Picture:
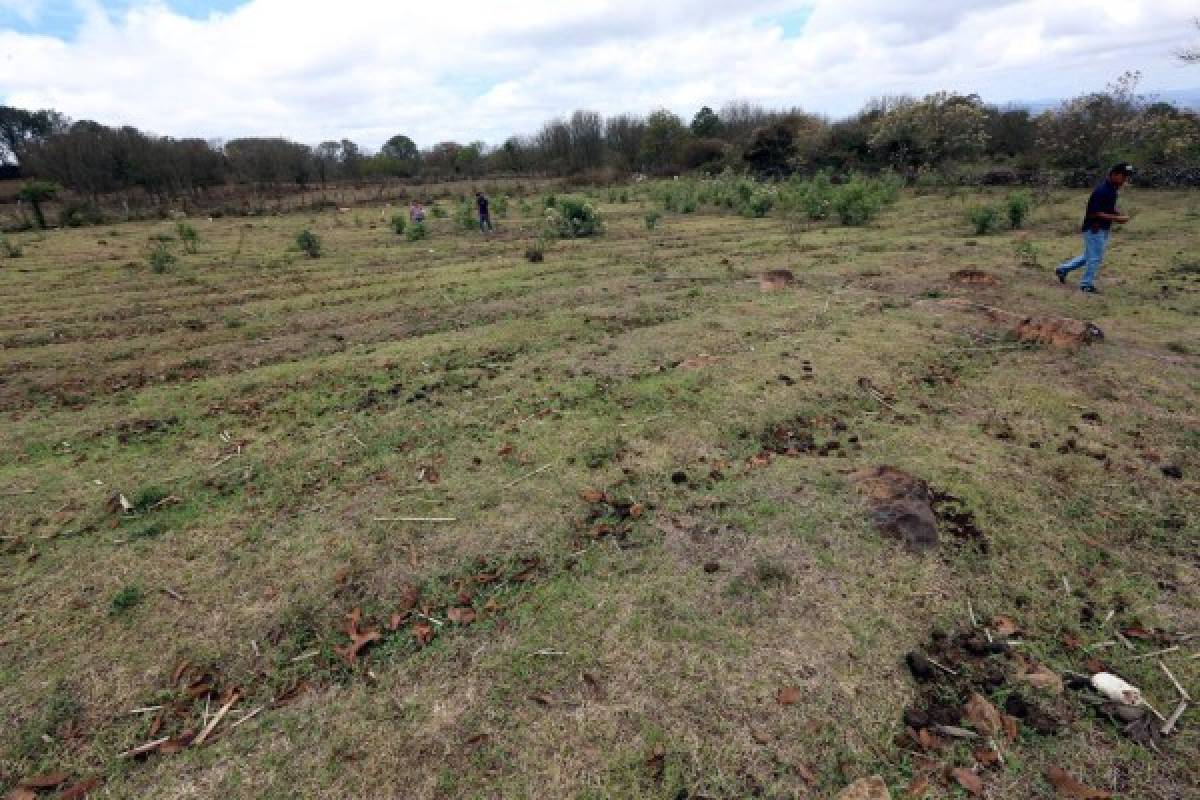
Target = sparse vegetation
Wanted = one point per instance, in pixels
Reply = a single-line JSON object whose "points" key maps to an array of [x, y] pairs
{"points": [[399, 222], [416, 232], [572, 217], [985, 218], [309, 243], [1017, 206], [642, 455], [160, 257], [188, 235]]}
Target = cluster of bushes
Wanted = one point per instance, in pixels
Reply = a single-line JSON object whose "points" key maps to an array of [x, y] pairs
{"points": [[988, 218], [571, 218], [855, 201]]}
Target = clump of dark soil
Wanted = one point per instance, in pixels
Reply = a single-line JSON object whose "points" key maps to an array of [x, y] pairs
{"points": [[957, 520]]}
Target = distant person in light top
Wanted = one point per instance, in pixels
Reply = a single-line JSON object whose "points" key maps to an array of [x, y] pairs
{"points": [[416, 212], [485, 216], [1097, 223]]}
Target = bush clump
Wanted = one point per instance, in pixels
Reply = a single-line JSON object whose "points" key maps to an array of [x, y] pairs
{"points": [[416, 232], [1017, 206], [860, 199], [536, 251], [398, 223], [309, 243], [651, 219], [571, 218], [188, 235], [984, 219], [10, 249], [160, 258]]}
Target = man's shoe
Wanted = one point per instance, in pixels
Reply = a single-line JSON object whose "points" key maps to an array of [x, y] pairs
{"points": [[1089, 289], [1062, 276]]}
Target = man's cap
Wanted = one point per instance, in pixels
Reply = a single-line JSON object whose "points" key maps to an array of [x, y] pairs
{"points": [[1122, 169]]}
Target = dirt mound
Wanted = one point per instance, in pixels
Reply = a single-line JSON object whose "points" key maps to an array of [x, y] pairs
{"points": [[1054, 331], [776, 279], [901, 505], [975, 277]]}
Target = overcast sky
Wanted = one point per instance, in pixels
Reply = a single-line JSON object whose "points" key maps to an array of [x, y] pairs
{"points": [[482, 69]]}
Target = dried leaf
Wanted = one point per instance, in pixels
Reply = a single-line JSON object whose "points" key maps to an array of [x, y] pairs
{"points": [[358, 639], [592, 496], [1005, 626], [484, 578], [1011, 728], [968, 780], [49, 780], [465, 598], [341, 576], [918, 788], [396, 621], [505, 450], [928, 741], [1067, 786], [986, 756], [637, 510], [462, 615], [1040, 677], [1138, 633], [80, 790], [409, 597], [178, 673], [180, 742], [593, 685], [983, 716], [788, 695], [423, 633], [1071, 641], [156, 724]]}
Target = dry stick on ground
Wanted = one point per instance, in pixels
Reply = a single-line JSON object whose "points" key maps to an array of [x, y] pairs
{"points": [[1156, 653], [1169, 726], [248, 717], [1178, 686], [415, 519], [510, 484], [216, 720], [144, 748], [947, 670]]}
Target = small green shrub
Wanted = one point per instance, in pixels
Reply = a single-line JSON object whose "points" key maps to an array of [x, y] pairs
{"points": [[309, 243], [80, 213], [573, 217], [464, 217], [500, 205], [160, 258], [1017, 206], [984, 219], [10, 249], [651, 219], [188, 235], [416, 232], [399, 222], [758, 205], [526, 209], [126, 599], [550, 201], [437, 212], [536, 251], [1026, 253], [855, 203]]}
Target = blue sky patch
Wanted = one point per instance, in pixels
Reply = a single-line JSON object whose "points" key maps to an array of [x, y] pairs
{"points": [[61, 18], [791, 22]]}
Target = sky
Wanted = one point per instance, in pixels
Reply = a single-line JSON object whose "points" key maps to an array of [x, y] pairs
{"points": [[484, 69]]}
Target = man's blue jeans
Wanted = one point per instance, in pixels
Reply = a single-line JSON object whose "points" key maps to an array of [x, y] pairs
{"points": [[1094, 245]]}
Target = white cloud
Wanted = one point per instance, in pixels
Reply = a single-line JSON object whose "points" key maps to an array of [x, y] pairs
{"points": [[481, 69]]}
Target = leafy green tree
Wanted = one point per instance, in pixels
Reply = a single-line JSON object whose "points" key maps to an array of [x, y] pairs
{"points": [[401, 148], [938, 129], [663, 141], [35, 193], [706, 123], [771, 149], [20, 128]]}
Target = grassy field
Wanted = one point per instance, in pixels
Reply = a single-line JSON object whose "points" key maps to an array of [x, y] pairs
{"points": [[623, 592]]}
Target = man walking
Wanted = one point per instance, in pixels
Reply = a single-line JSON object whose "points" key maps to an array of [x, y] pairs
{"points": [[1097, 223], [485, 216]]}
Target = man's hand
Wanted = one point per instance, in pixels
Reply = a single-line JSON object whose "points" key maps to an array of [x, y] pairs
{"points": [[1121, 218]]}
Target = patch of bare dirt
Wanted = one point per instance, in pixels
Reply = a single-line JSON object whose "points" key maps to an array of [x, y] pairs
{"points": [[776, 279], [974, 277]]}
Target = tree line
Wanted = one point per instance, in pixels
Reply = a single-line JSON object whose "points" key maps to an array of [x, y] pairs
{"points": [[908, 134]]}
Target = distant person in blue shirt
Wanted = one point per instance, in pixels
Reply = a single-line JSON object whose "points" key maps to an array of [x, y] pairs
{"points": [[485, 216], [1097, 223]]}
